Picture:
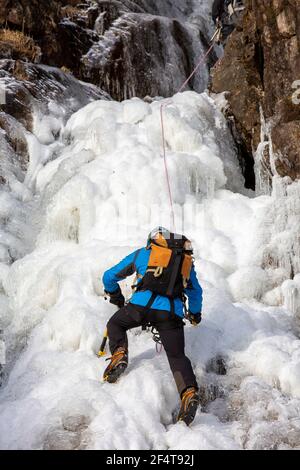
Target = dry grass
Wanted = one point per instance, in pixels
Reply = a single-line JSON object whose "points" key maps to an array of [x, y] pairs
{"points": [[20, 44], [16, 38], [65, 69], [70, 12]]}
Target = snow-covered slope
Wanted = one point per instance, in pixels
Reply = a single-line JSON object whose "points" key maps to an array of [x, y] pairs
{"points": [[95, 202]]}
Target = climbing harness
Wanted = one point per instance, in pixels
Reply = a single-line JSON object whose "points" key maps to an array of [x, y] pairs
{"points": [[157, 340], [184, 301]]}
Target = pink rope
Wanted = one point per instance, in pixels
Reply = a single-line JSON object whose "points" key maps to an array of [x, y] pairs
{"points": [[162, 107], [159, 350], [173, 229], [201, 61]]}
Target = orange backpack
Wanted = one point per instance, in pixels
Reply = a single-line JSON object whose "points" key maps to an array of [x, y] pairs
{"points": [[169, 266]]}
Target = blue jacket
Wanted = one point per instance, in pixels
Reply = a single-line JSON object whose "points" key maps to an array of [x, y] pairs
{"points": [[137, 262]]}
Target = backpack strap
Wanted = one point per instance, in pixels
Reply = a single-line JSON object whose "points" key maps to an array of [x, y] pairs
{"points": [[138, 276], [172, 308], [151, 300], [177, 262]]}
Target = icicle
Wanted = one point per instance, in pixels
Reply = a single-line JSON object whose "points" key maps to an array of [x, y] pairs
{"points": [[291, 294], [263, 173], [210, 187], [2, 355]]}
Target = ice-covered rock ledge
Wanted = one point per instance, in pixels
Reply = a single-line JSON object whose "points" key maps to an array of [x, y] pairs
{"points": [[96, 200]]}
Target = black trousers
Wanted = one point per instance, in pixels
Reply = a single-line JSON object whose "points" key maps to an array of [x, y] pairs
{"points": [[170, 328]]}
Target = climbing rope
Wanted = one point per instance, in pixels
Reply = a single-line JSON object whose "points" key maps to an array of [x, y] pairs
{"points": [[164, 145], [173, 227]]}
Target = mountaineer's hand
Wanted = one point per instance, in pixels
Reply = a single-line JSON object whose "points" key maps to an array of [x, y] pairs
{"points": [[116, 298], [194, 319]]}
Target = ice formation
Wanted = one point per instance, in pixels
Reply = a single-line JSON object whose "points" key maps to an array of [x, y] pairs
{"points": [[89, 198], [160, 41]]}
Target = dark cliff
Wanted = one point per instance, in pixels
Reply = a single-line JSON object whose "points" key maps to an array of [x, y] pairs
{"points": [[128, 48], [261, 71]]}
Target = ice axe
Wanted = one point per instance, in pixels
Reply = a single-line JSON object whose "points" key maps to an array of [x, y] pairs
{"points": [[102, 352]]}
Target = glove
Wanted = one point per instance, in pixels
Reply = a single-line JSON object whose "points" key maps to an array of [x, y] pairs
{"points": [[194, 319], [116, 298]]}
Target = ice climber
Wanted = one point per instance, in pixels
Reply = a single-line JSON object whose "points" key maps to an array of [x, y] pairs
{"points": [[219, 8], [165, 274], [225, 15]]}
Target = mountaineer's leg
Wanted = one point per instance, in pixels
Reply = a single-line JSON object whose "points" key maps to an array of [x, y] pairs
{"points": [[173, 342], [125, 319]]}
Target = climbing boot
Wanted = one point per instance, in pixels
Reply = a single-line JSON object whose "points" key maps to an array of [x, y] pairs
{"points": [[189, 403], [118, 365]]}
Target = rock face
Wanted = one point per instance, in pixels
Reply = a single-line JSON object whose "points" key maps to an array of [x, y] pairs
{"points": [[61, 29], [127, 47], [260, 71], [31, 91], [140, 52]]}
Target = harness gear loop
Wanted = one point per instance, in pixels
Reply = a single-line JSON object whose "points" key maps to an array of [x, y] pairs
{"points": [[184, 301], [157, 339]]}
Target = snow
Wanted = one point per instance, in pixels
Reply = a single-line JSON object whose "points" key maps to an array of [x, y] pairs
{"points": [[91, 197]]}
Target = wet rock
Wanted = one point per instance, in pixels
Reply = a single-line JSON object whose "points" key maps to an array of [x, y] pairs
{"points": [[213, 386], [75, 423], [259, 70], [286, 139], [15, 134], [217, 365], [209, 392], [145, 48], [126, 47], [47, 24], [59, 439], [141, 56], [77, 40], [11, 163], [31, 89]]}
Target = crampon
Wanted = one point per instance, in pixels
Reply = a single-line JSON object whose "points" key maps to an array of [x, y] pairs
{"points": [[189, 404], [118, 365]]}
